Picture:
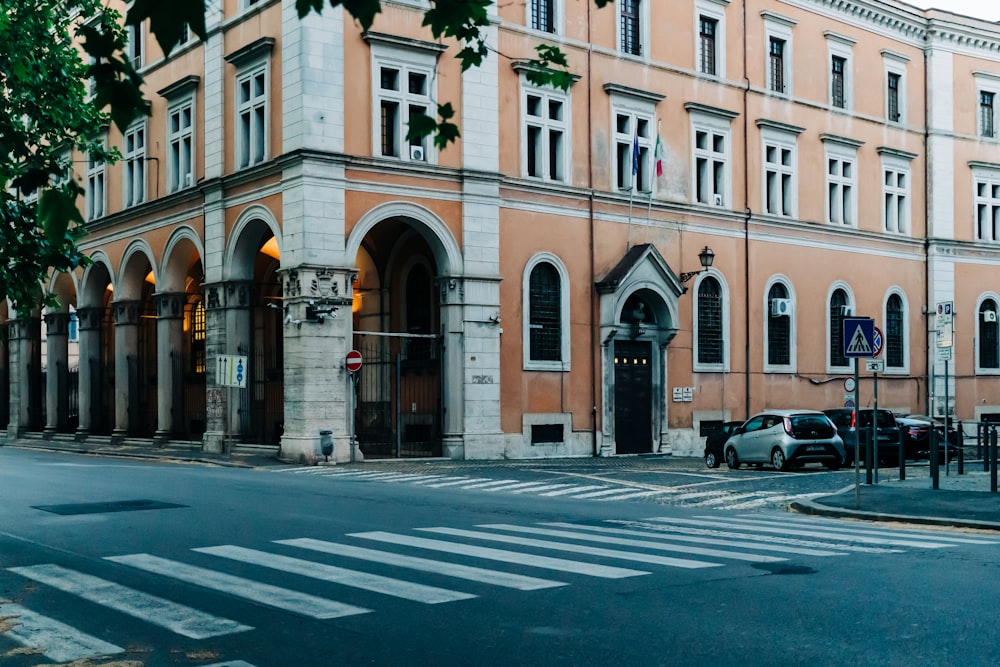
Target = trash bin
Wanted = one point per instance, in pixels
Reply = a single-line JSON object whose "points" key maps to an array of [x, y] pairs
{"points": [[326, 443]]}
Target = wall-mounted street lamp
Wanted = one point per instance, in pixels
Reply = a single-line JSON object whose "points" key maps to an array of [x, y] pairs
{"points": [[706, 257]]}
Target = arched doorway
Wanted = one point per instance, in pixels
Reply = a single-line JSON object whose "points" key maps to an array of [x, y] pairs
{"points": [[96, 351], [136, 386], [396, 323], [633, 360]]}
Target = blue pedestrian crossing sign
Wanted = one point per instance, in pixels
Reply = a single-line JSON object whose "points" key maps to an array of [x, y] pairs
{"points": [[859, 338]]}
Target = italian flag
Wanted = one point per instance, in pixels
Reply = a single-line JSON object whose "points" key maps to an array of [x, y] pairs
{"points": [[658, 154]]}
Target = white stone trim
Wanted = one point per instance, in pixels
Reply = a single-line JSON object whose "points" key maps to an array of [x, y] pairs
{"points": [[987, 82], [779, 27], [248, 71], [725, 305], [895, 63], [851, 304], [897, 165], [254, 212], [845, 153], [995, 297], [406, 60], [644, 32], [895, 290], [558, 17], [184, 233], [714, 124], [985, 178], [839, 45], [715, 10], [447, 253], [530, 364], [792, 366], [564, 171], [176, 180], [781, 140], [123, 288], [637, 110]]}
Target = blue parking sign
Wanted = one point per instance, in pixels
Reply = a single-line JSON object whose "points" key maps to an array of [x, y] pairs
{"points": [[859, 338]]}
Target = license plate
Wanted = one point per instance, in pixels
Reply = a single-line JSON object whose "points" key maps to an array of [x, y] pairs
{"points": [[885, 438], [815, 448]]}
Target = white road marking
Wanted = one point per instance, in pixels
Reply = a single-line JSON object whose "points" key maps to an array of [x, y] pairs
{"points": [[265, 594], [727, 498], [158, 611], [338, 575], [547, 487], [629, 495], [839, 526], [642, 544], [760, 502], [598, 494], [458, 480], [547, 562], [573, 489], [701, 540], [697, 494], [486, 485], [788, 530], [482, 575], [523, 486], [57, 641], [423, 479], [575, 548]]}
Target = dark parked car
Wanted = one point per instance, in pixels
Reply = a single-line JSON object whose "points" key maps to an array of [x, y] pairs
{"points": [[887, 431], [786, 439], [715, 443], [916, 431]]}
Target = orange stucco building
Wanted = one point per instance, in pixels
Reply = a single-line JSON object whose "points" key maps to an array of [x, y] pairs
{"points": [[534, 289]]}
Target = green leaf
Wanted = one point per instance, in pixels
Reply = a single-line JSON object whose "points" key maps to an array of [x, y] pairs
{"points": [[56, 210], [167, 19]]}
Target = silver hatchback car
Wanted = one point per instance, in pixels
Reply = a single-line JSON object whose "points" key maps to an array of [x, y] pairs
{"points": [[786, 438]]}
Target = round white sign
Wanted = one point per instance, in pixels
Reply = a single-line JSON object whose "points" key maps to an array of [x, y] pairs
{"points": [[849, 384]]}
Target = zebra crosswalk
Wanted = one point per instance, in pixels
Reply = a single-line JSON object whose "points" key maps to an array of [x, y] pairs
{"points": [[470, 559], [689, 495]]}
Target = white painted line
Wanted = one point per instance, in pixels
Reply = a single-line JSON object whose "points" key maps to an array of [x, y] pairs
{"points": [[701, 540], [767, 539], [265, 594], [486, 485], [697, 494], [423, 479], [57, 641], [482, 575], [760, 502], [573, 489], [839, 526], [629, 496], [575, 548], [739, 524], [338, 575], [728, 498], [642, 544], [547, 487], [404, 478], [598, 494], [455, 481], [523, 486], [530, 560], [158, 611]]}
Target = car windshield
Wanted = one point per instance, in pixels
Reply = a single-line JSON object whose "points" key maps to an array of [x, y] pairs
{"points": [[809, 421], [884, 420]]}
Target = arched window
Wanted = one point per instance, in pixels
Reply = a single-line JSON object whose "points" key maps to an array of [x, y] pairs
{"points": [[710, 349], [989, 335], [779, 327], [838, 311], [198, 336], [895, 350], [544, 313]]}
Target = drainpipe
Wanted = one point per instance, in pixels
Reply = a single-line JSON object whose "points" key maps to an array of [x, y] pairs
{"points": [[747, 214], [929, 389], [595, 352]]}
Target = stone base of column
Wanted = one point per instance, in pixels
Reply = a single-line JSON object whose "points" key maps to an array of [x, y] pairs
{"points": [[453, 447], [48, 433], [161, 438], [665, 447], [81, 434], [118, 436], [213, 442], [484, 446]]}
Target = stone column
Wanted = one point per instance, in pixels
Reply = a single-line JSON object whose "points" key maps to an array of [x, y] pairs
{"points": [[89, 322], [169, 346], [57, 373], [126, 351], [25, 335], [227, 328]]}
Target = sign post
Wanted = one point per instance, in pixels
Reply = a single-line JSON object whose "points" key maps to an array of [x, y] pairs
{"points": [[353, 362], [944, 325], [859, 343]]}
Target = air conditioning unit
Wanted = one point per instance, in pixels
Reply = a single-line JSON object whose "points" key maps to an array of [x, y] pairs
{"points": [[717, 200], [417, 153], [781, 307], [187, 180], [989, 316]]}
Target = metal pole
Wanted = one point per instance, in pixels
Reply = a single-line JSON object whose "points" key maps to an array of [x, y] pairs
{"points": [[947, 420], [874, 430], [961, 450], [935, 472], [399, 406], [993, 460], [857, 447]]}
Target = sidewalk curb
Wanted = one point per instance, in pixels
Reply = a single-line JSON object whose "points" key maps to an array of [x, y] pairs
{"points": [[818, 509]]}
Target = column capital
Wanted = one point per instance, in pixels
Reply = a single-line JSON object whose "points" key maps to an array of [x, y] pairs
{"points": [[332, 285], [170, 305], [24, 329], [127, 312], [56, 324], [90, 318], [228, 294]]}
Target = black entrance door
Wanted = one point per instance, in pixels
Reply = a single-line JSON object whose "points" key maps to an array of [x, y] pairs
{"points": [[633, 397]]}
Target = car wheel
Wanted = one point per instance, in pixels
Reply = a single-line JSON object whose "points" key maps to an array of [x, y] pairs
{"points": [[711, 460], [732, 460], [778, 459]]}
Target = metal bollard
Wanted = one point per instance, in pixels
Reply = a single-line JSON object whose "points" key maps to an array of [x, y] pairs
{"points": [[935, 466], [993, 460], [902, 460]]}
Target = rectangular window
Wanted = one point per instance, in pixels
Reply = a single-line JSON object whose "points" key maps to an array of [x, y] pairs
{"points": [[896, 200], [96, 171], [545, 135], [134, 166], [779, 179], [988, 209], [542, 15], [837, 90], [180, 146], [133, 50], [840, 183], [776, 61], [711, 157], [986, 124], [632, 171], [631, 27], [706, 40], [404, 94], [892, 93], [251, 114]]}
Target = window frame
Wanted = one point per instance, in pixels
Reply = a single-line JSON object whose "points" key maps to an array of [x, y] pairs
{"points": [[792, 365], [837, 286], [557, 9], [96, 170], [778, 27], [528, 363], [987, 83], [134, 178], [839, 46], [547, 126], [843, 150], [894, 64], [724, 324], [904, 369], [642, 20], [135, 47], [987, 175], [248, 72], [781, 137], [715, 122], [980, 303], [176, 180], [897, 162], [714, 10]]}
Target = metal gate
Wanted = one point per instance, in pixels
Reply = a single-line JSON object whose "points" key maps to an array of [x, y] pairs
{"points": [[262, 403], [398, 409]]}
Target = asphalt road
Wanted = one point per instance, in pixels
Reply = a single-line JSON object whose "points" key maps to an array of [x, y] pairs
{"points": [[265, 568]]}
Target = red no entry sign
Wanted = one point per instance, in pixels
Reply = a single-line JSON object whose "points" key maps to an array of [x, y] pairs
{"points": [[354, 361]]}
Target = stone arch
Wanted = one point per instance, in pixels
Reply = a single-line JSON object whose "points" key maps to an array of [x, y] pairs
{"points": [[95, 281], [447, 253], [176, 263], [249, 233], [133, 271]]}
